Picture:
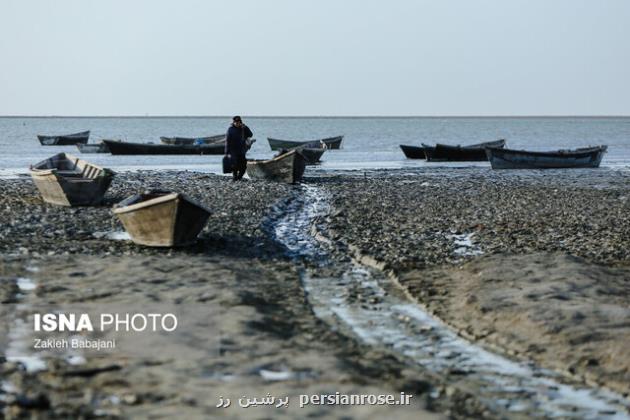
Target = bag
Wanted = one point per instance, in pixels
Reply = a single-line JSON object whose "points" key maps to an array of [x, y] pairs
{"points": [[227, 164]]}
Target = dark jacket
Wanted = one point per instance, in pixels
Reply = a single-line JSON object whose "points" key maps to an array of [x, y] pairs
{"points": [[235, 144]]}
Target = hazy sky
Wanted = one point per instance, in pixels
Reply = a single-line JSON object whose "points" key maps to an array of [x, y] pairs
{"points": [[314, 57]]}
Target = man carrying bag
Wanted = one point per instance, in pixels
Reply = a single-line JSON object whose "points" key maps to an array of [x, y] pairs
{"points": [[237, 144]]}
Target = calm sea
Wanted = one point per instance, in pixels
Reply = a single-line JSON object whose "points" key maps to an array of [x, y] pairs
{"points": [[368, 142]]}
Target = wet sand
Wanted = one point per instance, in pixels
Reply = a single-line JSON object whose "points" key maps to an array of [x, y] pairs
{"points": [[258, 337], [446, 235], [563, 312]]}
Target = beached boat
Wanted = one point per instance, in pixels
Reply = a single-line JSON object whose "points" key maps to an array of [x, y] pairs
{"points": [[162, 219], [286, 167], [471, 153], [66, 180], [312, 156], [312, 152], [413, 152], [193, 140], [587, 157], [65, 139], [331, 143], [93, 148], [128, 148]]}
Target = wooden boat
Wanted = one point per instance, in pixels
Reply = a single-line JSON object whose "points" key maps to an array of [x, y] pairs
{"points": [[286, 167], [587, 157], [277, 144], [191, 140], [66, 180], [161, 218], [127, 148], [472, 153], [413, 152], [312, 156], [93, 148], [65, 139], [312, 152], [429, 151]]}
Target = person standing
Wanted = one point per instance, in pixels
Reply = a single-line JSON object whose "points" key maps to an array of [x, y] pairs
{"points": [[237, 142]]}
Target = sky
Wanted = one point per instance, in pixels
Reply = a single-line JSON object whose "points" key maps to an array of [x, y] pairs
{"points": [[315, 57]]}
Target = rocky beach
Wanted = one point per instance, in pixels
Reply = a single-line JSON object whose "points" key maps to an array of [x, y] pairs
{"points": [[529, 265], [534, 264]]}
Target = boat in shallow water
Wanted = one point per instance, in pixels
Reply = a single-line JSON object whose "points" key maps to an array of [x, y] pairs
{"points": [[162, 218], [312, 152], [64, 139], [93, 148], [193, 140], [312, 156], [471, 153], [66, 180], [286, 167], [128, 148], [117, 147], [413, 152], [330, 142], [586, 157]]}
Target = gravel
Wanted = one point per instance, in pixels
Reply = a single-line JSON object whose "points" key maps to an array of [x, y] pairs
{"points": [[35, 228], [423, 218]]}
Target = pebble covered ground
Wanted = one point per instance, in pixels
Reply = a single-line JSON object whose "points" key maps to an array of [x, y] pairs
{"points": [[34, 228], [531, 263], [407, 220], [431, 217]]}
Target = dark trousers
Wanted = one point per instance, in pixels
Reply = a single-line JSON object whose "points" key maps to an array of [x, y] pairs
{"points": [[239, 166]]}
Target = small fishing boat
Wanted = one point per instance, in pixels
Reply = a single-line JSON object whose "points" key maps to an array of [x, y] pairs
{"points": [[93, 148], [471, 153], [128, 148], [65, 139], [312, 152], [277, 144], [286, 167], [413, 152], [162, 218], [66, 180], [311, 155], [586, 157], [193, 140]]}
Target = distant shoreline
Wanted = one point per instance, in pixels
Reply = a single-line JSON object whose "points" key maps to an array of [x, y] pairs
{"points": [[324, 116]]}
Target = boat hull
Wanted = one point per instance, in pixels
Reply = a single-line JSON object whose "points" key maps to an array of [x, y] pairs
{"points": [[73, 182], [413, 152], [65, 140], [312, 156], [520, 159], [93, 148], [190, 140], [472, 153], [127, 148], [288, 167], [167, 220], [331, 143]]}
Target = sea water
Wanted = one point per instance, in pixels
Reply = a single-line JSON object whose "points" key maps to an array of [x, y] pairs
{"points": [[369, 142]]}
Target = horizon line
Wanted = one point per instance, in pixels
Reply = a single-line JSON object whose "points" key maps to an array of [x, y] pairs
{"points": [[326, 116]]}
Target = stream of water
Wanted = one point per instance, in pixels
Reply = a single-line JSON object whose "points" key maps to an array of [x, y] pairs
{"points": [[364, 302]]}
